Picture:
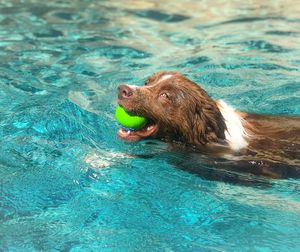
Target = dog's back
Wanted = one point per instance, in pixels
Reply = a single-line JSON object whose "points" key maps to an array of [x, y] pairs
{"points": [[274, 138]]}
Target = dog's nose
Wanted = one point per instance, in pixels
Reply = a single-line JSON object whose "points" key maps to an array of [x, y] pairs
{"points": [[124, 91]]}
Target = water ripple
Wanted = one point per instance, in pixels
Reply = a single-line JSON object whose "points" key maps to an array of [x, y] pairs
{"points": [[160, 16]]}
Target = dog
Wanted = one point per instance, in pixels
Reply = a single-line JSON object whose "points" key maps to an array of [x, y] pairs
{"points": [[181, 111]]}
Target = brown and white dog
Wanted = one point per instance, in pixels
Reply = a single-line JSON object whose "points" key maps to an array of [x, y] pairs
{"points": [[180, 110]]}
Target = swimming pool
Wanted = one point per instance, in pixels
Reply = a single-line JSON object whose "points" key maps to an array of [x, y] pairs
{"points": [[68, 183]]}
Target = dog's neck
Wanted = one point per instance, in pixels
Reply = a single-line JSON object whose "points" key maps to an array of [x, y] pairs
{"points": [[235, 134]]}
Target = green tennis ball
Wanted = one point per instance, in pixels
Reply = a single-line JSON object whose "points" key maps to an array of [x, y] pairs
{"points": [[129, 121]]}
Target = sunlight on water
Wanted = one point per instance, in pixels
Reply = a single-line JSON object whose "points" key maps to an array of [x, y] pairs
{"points": [[68, 183]]}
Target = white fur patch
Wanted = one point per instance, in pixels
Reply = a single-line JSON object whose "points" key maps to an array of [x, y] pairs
{"points": [[165, 77], [235, 134], [132, 86]]}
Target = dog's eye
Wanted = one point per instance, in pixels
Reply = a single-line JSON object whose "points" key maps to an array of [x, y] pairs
{"points": [[165, 95]]}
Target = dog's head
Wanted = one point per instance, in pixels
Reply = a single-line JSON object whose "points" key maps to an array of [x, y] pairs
{"points": [[177, 109]]}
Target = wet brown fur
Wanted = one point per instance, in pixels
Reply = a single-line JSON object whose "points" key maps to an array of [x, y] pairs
{"points": [[190, 116]]}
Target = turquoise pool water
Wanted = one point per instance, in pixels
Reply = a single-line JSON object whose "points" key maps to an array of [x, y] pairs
{"points": [[68, 183]]}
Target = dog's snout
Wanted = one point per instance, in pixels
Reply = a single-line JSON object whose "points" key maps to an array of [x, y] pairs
{"points": [[124, 91]]}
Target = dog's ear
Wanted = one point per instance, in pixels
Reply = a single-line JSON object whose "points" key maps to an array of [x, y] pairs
{"points": [[206, 121], [197, 125], [215, 121]]}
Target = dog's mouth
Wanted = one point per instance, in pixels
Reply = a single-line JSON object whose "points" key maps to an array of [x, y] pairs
{"points": [[134, 135]]}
